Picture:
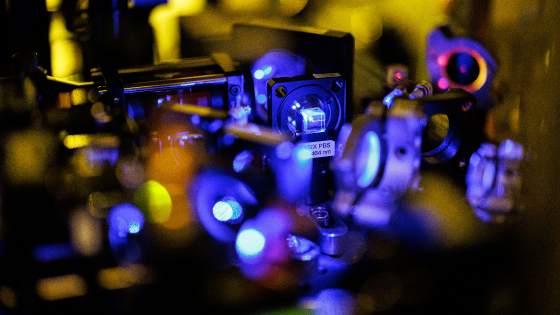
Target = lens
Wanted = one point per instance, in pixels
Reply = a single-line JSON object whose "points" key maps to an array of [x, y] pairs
{"points": [[367, 159], [463, 69], [435, 132], [227, 209], [250, 242]]}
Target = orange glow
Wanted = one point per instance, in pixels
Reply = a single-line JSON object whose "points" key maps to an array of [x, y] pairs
{"points": [[61, 287], [124, 277], [8, 297]]}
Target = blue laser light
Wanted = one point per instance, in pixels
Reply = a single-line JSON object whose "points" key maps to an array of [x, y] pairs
{"points": [[261, 98], [250, 242], [259, 74], [368, 158], [125, 218], [227, 209]]}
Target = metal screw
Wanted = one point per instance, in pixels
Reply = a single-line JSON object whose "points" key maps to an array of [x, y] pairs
{"points": [[234, 90], [336, 86], [321, 216], [281, 91], [116, 100], [466, 107]]}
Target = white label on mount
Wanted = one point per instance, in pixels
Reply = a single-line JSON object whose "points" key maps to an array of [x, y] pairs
{"points": [[321, 148]]}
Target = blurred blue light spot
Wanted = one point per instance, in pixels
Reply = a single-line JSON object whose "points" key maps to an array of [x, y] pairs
{"points": [[284, 150], [250, 242], [195, 119], [160, 101], [267, 70], [303, 155], [125, 218], [222, 211], [259, 74], [509, 145], [335, 301], [241, 160], [261, 98], [388, 100], [227, 209], [134, 227], [367, 161], [52, 252]]}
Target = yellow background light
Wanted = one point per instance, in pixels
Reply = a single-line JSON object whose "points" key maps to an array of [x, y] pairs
{"points": [[61, 287], [154, 200]]}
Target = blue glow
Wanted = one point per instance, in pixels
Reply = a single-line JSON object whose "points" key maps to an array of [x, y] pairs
{"points": [[267, 70], [100, 156], [52, 252], [130, 111], [259, 74], [195, 119], [368, 158], [227, 209], [116, 24], [250, 242], [509, 145], [335, 301], [241, 160], [488, 175], [275, 63], [388, 100], [134, 227], [284, 150], [303, 155], [125, 218], [160, 101], [222, 211]]}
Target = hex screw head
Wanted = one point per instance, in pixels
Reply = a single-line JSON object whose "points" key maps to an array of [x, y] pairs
{"points": [[234, 89], [281, 91], [336, 86], [467, 106], [321, 216]]}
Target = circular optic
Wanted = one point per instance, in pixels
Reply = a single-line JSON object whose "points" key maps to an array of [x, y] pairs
{"points": [[227, 209], [368, 159], [250, 243], [435, 132], [462, 68], [222, 211]]}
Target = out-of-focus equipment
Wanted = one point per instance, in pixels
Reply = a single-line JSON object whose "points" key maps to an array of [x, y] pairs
{"points": [[377, 160], [459, 62], [494, 182], [243, 179], [288, 52]]}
